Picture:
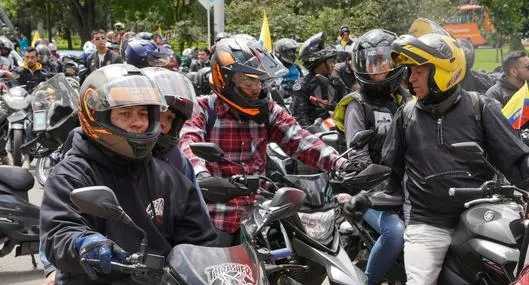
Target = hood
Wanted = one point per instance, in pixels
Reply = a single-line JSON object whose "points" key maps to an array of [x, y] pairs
{"points": [[36, 67], [82, 146]]}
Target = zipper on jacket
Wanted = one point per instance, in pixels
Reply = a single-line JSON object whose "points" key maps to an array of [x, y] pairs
{"points": [[440, 130]]}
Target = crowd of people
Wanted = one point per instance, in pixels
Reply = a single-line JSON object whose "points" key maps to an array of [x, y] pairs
{"points": [[139, 113]]}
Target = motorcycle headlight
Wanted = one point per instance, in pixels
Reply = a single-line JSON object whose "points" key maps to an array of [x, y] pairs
{"points": [[320, 225], [16, 102]]}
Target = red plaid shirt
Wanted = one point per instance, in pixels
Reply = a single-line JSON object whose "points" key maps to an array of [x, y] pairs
{"points": [[244, 141]]}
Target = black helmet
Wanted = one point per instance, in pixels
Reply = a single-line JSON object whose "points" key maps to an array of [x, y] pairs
{"points": [[202, 80], [43, 52], [115, 86], [468, 48], [285, 50], [371, 56], [238, 59], [313, 51], [344, 29], [180, 96]]}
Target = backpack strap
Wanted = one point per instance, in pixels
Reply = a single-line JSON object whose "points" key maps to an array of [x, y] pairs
{"points": [[211, 112], [477, 108]]}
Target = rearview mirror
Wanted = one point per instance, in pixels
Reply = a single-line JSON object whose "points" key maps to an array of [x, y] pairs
{"points": [[219, 190], [286, 202], [207, 151], [99, 201]]}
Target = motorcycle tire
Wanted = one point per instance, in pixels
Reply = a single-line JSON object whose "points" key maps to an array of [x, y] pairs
{"points": [[42, 169], [16, 152]]}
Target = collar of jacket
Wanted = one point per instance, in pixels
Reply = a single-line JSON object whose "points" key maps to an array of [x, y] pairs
{"points": [[504, 83], [36, 67], [439, 109]]}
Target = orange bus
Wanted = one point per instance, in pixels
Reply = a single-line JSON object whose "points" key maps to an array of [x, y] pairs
{"points": [[465, 24]]}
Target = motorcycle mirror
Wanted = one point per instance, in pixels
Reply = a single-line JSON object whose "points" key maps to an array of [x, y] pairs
{"points": [[286, 202], [361, 138], [99, 201], [207, 151], [469, 151], [212, 153]]}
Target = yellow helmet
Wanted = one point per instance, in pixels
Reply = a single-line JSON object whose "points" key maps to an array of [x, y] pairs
{"points": [[441, 51]]}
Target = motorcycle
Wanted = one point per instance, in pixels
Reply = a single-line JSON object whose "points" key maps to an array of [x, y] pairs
{"points": [[308, 237], [54, 105], [490, 241], [186, 263], [19, 219], [17, 100]]}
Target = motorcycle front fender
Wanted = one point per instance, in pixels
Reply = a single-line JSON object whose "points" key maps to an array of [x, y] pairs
{"points": [[340, 269]]}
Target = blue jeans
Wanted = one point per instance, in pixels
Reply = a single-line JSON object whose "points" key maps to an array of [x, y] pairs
{"points": [[388, 246]]}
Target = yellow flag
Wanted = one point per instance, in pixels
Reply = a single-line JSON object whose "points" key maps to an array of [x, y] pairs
{"points": [[36, 37], [265, 39], [515, 110], [159, 31]]}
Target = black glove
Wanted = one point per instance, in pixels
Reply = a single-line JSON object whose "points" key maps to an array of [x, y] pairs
{"points": [[354, 166], [358, 204]]}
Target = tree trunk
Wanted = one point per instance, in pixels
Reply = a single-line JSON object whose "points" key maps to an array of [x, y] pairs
{"points": [[516, 43], [84, 17]]}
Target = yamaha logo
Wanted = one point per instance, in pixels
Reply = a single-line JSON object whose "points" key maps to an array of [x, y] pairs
{"points": [[488, 216]]}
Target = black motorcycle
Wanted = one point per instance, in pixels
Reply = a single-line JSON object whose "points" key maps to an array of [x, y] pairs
{"points": [[19, 219], [190, 264]]}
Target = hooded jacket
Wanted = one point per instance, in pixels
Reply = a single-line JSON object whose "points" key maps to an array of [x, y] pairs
{"points": [[30, 77], [424, 163], [178, 216], [502, 91]]}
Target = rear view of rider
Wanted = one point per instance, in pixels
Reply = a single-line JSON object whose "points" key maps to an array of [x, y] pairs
{"points": [[474, 80], [119, 111], [315, 94], [373, 108]]}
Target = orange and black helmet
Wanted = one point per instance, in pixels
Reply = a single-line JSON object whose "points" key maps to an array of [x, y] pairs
{"points": [[116, 86], [244, 56]]}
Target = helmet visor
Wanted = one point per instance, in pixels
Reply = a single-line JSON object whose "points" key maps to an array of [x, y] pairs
{"points": [[178, 91], [128, 91], [375, 60]]}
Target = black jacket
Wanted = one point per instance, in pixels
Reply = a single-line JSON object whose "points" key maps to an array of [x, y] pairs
{"points": [[30, 77], [110, 58], [422, 157], [502, 91], [307, 112], [135, 185]]}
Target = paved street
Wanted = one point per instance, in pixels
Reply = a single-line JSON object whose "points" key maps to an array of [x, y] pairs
{"points": [[19, 271]]}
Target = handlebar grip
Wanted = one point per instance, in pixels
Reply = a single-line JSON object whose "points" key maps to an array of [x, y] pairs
{"points": [[464, 191]]}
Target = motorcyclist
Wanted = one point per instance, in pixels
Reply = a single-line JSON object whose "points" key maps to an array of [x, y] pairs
{"points": [[143, 53], [201, 61], [30, 72], [344, 41], [49, 65], [316, 94], [344, 72], [286, 51], [418, 149], [515, 73], [5, 63], [103, 55], [373, 108], [474, 80], [241, 119], [119, 111], [202, 81]]}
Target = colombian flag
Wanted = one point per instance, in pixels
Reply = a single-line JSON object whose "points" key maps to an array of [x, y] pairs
{"points": [[517, 109], [265, 39]]}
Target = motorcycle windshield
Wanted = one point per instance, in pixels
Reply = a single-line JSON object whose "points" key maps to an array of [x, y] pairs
{"points": [[216, 265], [55, 98], [313, 185]]}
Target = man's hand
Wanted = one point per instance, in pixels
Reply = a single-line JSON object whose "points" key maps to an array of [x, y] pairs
{"points": [[355, 166], [358, 204], [98, 247]]}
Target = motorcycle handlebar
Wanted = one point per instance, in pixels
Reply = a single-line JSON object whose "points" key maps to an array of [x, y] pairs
{"points": [[464, 191]]}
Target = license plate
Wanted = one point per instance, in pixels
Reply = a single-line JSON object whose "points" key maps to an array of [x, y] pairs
{"points": [[39, 120]]}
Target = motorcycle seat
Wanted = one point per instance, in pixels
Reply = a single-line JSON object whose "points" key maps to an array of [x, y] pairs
{"points": [[16, 178]]}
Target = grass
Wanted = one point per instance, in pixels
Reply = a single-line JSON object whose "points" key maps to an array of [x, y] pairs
{"points": [[485, 58]]}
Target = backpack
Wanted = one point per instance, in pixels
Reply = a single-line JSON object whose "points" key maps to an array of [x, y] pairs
{"points": [[477, 108]]}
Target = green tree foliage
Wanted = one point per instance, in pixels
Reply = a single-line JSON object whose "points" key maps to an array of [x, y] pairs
{"points": [[508, 20]]}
